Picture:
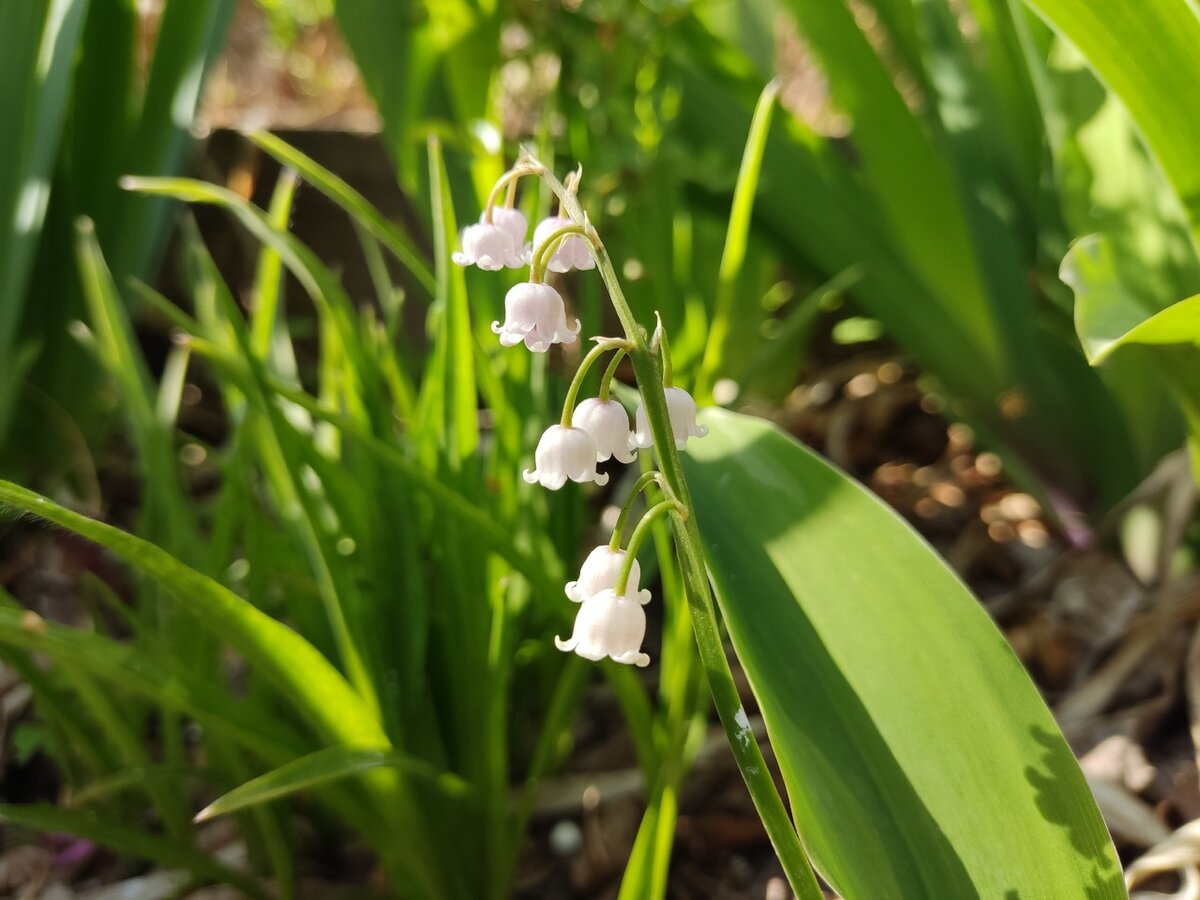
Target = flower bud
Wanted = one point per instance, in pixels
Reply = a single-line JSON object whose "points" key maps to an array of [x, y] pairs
{"points": [[564, 453], [608, 424], [611, 625], [600, 572], [681, 409], [534, 313], [572, 253]]}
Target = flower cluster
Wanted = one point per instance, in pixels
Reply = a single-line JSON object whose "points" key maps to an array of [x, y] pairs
{"points": [[610, 622]]}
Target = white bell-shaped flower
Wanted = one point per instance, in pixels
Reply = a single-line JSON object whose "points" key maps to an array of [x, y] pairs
{"points": [[608, 624], [490, 246], [513, 221], [564, 453], [572, 252], [608, 424], [600, 572], [534, 313], [681, 409]]}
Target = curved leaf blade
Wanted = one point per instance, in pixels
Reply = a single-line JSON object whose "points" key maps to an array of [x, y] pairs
{"points": [[296, 666], [919, 759], [320, 768], [1146, 53], [136, 842], [1108, 316]]}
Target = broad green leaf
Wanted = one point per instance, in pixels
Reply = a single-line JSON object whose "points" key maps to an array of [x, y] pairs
{"points": [[1108, 315], [135, 842], [910, 181], [1146, 53], [919, 759], [320, 768]]}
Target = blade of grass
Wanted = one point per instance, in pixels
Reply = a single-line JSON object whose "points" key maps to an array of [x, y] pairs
{"points": [[736, 237], [321, 767], [37, 50], [317, 689], [355, 204], [327, 700], [135, 842]]}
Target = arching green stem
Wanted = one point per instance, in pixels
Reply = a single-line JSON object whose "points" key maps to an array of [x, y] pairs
{"points": [[657, 511], [644, 481], [577, 382], [511, 177], [609, 374], [747, 754]]}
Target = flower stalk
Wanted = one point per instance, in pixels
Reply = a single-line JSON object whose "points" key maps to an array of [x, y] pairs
{"points": [[644, 481], [636, 539], [649, 373], [577, 382]]}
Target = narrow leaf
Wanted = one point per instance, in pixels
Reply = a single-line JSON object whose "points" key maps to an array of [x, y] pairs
{"points": [[320, 768], [135, 842]]}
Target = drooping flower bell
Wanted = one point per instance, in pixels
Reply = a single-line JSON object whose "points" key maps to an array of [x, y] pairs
{"points": [[492, 245], [608, 424], [600, 572], [564, 453], [534, 313], [681, 409], [513, 221], [608, 624], [572, 252]]}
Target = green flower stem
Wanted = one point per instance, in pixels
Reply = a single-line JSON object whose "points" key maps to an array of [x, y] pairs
{"points": [[510, 177], [544, 251], [577, 382], [644, 480], [609, 374], [657, 511], [747, 754]]}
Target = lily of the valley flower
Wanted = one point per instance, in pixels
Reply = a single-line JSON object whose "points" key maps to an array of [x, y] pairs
{"points": [[513, 221], [600, 572], [681, 409], [608, 424], [534, 313], [572, 252], [608, 624], [564, 453], [491, 245]]}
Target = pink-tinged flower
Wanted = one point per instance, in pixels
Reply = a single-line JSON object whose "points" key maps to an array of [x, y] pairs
{"points": [[681, 409], [513, 221], [600, 572], [564, 453], [490, 246], [572, 253], [534, 313], [608, 424], [611, 625]]}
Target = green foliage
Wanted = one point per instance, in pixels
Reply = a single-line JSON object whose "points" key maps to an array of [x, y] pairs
{"points": [[849, 645], [369, 551], [84, 109]]}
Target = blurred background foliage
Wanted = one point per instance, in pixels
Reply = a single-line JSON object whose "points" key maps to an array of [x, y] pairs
{"points": [[926, 174]]}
